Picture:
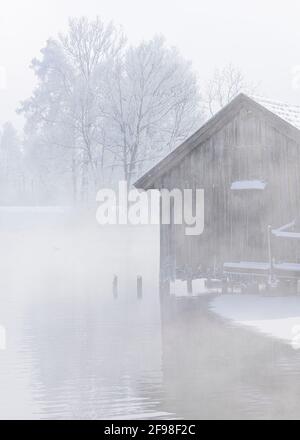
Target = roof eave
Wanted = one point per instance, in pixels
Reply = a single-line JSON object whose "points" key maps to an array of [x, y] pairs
{"points": [[147, 181]]}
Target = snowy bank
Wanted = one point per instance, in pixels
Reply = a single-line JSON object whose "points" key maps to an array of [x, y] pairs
{"points": [[179, 288], [278, 317]]}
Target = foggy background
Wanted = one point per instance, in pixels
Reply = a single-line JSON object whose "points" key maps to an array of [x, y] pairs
{"points": [[70, 125], [262, 38]]}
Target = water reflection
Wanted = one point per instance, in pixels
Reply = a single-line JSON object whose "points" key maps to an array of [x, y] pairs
{"points": [[82, 360], [73, 352], [95, 361], [225, 371]]}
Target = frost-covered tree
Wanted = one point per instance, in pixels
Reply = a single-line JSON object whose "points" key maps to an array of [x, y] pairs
{"points": [[151, 105], [64, 110], [103, 110]]}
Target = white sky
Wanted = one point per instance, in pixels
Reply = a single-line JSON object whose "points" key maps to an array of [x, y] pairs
{"points": [[262, 37]]}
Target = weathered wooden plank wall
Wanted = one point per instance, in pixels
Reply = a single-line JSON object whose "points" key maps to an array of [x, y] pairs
{"points": [[247, 148]]}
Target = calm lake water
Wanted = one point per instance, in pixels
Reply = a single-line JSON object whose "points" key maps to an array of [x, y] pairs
{"points": [[73, 352]]}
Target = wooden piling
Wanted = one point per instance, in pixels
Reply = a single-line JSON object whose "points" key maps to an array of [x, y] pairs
{"points": [[190, 286], [115, 287], [140, 287], [224, 286]]}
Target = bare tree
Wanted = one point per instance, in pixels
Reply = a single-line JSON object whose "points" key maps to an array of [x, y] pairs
{"points": [[225, 85]]}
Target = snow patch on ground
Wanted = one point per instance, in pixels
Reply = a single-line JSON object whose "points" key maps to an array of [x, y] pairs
{"points": [[179, 288], [278, 317]]}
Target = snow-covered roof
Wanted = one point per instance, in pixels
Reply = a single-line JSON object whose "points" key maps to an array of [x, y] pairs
{"points": [[290, 113], [248, 265], [285, 232], [260, 266], [248, 185], [293, 267]]}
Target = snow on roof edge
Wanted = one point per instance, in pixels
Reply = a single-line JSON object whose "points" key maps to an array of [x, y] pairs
{"points": [[287, 112]]}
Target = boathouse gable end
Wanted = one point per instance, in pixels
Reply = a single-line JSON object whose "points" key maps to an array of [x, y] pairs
{"points": [[242, 111], [247, 160]]}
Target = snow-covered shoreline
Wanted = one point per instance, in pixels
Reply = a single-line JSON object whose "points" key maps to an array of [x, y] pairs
{"points": [[278, 317]]}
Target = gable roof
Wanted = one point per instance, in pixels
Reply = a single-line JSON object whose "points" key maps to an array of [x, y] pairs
{"points": [[284, 117]]}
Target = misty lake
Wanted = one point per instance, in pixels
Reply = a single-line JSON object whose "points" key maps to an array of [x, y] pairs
{"points": [[74, 352]]}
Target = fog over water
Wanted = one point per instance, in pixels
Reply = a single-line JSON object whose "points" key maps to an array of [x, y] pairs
{"points": [[72, 351], [75, 352]]}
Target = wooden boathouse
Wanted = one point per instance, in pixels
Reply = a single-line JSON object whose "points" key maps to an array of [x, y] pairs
{"points": [[247, 160]]}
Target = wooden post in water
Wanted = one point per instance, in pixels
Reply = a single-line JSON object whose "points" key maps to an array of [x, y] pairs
{"points": [[189, 280], [140, 287], [115, 287], [190, 285], [224, 286]]}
